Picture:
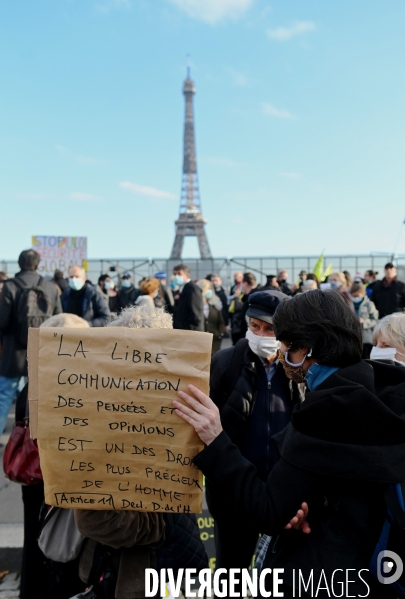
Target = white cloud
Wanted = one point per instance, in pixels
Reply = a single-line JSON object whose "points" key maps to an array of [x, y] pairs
{"points": [[77, 158], [212, 11], [238, 78], [286, 33], [291, 175], [227, 162], [271, 110], [145, 190]]}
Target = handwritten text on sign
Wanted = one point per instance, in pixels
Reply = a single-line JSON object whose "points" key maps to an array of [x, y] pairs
{"points": [[107, 433]]}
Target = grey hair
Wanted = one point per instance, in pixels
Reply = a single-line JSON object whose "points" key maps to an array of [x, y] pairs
{"points": [[393, 329], [143, 316], [69, 321]]}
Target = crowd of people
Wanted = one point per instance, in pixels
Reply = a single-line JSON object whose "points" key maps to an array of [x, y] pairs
{"points": [[303, 432]]}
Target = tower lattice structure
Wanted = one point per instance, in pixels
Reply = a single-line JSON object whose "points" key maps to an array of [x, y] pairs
{"points": [[190, 222]]}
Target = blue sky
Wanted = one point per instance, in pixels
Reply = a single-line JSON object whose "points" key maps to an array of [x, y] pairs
{"points": [[299, 124]]}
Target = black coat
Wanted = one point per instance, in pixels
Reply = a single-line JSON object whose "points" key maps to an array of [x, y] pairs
{"points": [[127, 296], [236, 404], [94, 308], [388, 299], [220, 291], [345, 444], [13, 362], [189, 314]]}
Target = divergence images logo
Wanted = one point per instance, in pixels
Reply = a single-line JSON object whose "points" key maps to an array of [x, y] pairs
{"points": [[389, 567]]}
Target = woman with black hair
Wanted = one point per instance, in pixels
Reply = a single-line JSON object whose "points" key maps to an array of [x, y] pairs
{"points": [[344, 445]]}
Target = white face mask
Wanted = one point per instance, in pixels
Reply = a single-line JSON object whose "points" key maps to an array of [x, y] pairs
{"points": [[262, 346], [385, 353]]}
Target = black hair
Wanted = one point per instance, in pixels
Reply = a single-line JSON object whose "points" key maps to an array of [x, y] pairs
{"points": [[103, 278], [182, 267], [249, 278], [323, 322], [372, 273], [389, 265], [29, 260]]}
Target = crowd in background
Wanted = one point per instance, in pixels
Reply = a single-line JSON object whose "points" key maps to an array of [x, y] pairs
{"points": [[245, 313]]}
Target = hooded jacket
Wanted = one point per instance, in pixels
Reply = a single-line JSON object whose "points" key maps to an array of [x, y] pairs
{"points": [[345, 444]]}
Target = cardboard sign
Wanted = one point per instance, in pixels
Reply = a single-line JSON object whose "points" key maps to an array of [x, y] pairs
{"points": [[107, 433], [60, 253]]}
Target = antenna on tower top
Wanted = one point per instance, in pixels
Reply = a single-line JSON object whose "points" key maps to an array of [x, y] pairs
{"points": [[188, 65]]}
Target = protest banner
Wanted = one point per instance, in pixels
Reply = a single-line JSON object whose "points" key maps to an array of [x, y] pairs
{"points": [[101, 409], [60, 253]]}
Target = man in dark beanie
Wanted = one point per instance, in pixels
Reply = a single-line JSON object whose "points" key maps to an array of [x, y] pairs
{"points": [[255, 399]]}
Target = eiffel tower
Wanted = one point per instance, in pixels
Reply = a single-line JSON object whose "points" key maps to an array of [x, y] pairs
{"points": [[190, 222]]}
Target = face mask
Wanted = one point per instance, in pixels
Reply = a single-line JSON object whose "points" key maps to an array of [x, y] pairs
{"points": [[75, 283], [208, 294], [262, 346], [295, 372], [385, 353], [126, 283], [178, 280], [107, 285], [173, 284], [356, 300], [335, 284]]}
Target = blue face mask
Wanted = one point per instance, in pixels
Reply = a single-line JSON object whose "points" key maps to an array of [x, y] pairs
{"points": [[75, 283], [335, 284], [208, 294], [178, 280], [107, 285], [126, 283], [356, 300]]}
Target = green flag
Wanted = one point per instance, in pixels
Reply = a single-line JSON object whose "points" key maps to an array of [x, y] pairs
{"points": [[318, 268]]}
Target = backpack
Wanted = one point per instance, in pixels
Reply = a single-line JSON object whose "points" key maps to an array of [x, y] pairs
{"points": [[32, 308], [390, 548]]}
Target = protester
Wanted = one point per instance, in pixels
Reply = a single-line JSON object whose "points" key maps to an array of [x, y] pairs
{"points": [[271, 284], [84, 300], [255, 399], [237, 281], [370, 277], [282, 282], [221, 293], [367, 313], [60, 281], [106, 287], [344, 445], [389, 294], [337, 281], [348, 278], [239, 306], [3, 277], [308, 285], [214, 321], [188, 313], [389, 339], [164, 298], [39, 579], [127, 295], [149, 288], [312, 277], [27, 300], [130, 535]]}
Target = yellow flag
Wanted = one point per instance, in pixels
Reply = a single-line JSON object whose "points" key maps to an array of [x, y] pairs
{"points": [[318, 268], [328, 271]]}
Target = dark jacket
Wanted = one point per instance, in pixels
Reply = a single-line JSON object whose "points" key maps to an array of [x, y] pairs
{"points": [[388, 299], [215, 324], [13, 361], [220, 291], [189, 314], [94, 307], [164, 298], [127, 296], [345, 444], [137, 534], [237, 404]]}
